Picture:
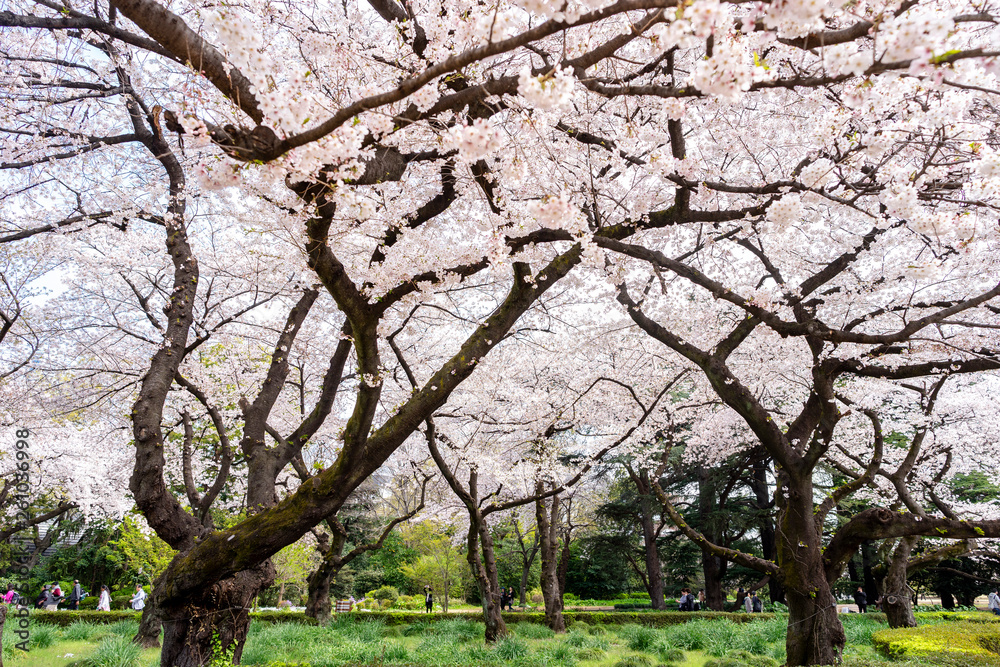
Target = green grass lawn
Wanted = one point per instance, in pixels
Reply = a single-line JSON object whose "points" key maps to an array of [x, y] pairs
{"points": [[460, 643]]}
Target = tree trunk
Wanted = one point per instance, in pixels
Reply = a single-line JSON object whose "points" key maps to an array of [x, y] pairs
{"points": [[713, 567], [872, 585], [775, 587], [547, 515], [947, 599], [525, 573], [487, 580], [220, 613], [149, 626], [896, 592], [318, 602], [654, 571], [815, 634]]}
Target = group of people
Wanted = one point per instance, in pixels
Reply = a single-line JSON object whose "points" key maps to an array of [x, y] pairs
{"points": [[52, 596], [750, 603]]}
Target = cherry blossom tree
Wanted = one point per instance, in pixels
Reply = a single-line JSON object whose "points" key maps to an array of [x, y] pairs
{"points": [[813, 183]]}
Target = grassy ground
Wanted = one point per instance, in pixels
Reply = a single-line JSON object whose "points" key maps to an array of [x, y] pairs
{"points": [[459, 643]]}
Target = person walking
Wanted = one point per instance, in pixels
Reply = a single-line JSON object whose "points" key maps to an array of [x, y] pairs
{"points": [[994, 600], [756, 604], [701, 600], [861, 600], [138, 600], [428, 598], [686, 603], [10, 597], [75, 595], [104, 602], [748, 603], [510, 598]]}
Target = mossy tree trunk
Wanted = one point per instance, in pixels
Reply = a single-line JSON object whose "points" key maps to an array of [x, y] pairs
{"points": [[148, 635], [215, 621], [897, 600]]}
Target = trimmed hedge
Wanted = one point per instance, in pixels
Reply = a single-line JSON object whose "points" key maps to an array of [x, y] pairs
{"points": [[961, 638], [65, 617], [647, 618]]}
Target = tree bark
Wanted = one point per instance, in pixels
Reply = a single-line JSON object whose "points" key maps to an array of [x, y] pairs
{"points": [[896, 592], [148, 635], [712, 566], [487, 579], [654, 570], [767, 542], [815, 634], [221, 612], [547, 516], [318, 602]]}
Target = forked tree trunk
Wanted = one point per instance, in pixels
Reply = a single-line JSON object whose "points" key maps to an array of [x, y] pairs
{"points": [[896, 592], [149, 626], [815, 634], [220, 614], [712, 566], [547, 517], [487, 580]]}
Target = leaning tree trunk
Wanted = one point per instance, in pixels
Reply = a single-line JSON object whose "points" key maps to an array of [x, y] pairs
{"points": [[549, 580], [148, 635], [218, 615], [815, 634], [896, 592]]}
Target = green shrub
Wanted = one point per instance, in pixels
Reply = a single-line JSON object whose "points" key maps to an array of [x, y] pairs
{"points": [[390, 593], [639, 638], [935, 642], [115, 652], [747, 659], [670, 654], [80, 631], [634, 661], [511, 648], [43, 636], [533, 631], [590, 653]]}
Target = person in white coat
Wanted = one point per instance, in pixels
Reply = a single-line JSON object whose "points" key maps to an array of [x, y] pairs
{"points": [[139, 599], [104, 602], [994, 602]]}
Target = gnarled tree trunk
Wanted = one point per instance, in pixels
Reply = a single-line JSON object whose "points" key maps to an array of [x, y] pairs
{"points": [[815, 634], [318, 601], [897, 595], [218, 616], [148, 635]]}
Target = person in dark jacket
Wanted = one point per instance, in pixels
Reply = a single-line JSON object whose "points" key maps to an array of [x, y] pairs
{"points": [[861, 600], [429, 598], [510, 598], [75, 595], [756, 604]]}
